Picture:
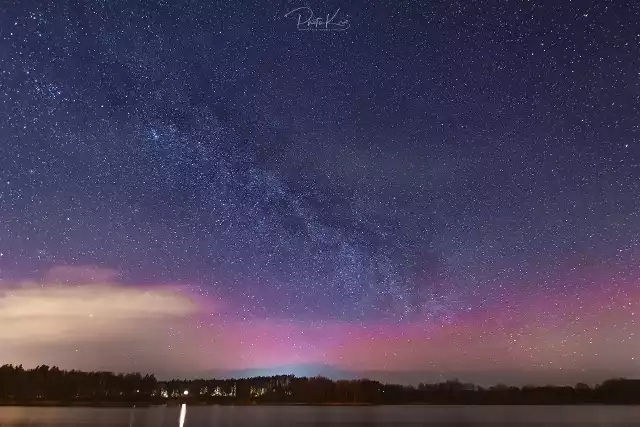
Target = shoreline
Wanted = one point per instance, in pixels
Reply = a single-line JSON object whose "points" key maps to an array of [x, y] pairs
{"points": [[54, 404]]}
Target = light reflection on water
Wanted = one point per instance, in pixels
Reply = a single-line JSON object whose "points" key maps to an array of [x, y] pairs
{"points": [[183, 414]]}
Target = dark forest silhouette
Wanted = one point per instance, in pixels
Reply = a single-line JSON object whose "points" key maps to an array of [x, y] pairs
{"points": [[50, 385]]}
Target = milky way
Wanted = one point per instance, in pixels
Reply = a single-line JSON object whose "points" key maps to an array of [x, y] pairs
{"points": [[440, 188]]}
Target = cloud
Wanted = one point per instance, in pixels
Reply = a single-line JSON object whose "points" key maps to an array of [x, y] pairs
{"points": [[110, 301], [60, 312], [70, 311]]}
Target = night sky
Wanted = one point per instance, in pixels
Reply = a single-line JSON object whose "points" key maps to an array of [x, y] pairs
{"points": [[428, 190]]}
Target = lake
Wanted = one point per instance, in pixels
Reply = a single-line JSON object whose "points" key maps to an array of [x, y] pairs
{"points": [[307, 416]]}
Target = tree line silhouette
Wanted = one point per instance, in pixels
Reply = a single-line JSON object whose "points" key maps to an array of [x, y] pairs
{"points": [[51, 385]]}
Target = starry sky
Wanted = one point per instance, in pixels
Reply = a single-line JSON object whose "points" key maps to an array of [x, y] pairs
{"points": [[422, 190]]}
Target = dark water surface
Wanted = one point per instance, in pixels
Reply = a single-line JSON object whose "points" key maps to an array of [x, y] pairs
{"points": [[232, 416]]}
